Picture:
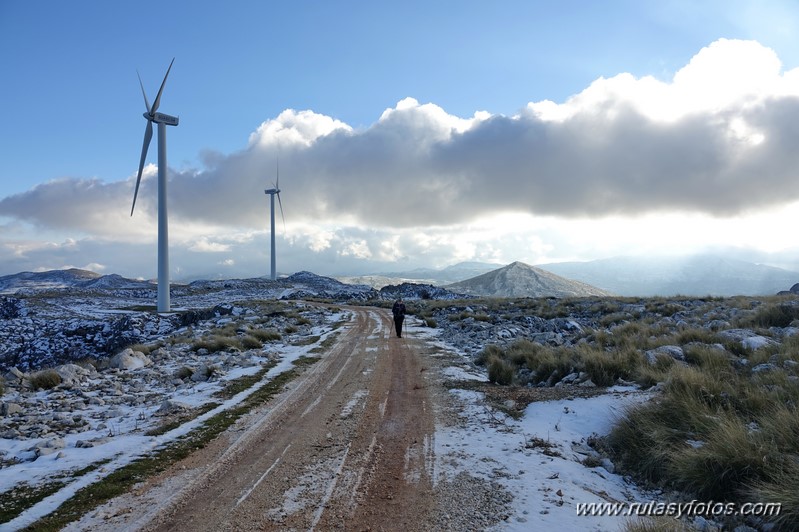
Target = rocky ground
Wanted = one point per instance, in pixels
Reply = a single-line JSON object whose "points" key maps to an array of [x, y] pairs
{"points": [[471, 326], [103, 391]]}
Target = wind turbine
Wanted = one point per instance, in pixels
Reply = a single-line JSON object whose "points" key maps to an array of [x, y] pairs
{"points": [[162, 120], [272, 193]]}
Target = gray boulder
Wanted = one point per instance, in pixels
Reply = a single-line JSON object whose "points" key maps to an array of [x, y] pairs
{"points": [[129, 359], [672, 351]]}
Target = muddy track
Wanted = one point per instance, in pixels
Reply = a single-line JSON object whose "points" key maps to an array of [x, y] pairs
{"points": [[349, 445]]}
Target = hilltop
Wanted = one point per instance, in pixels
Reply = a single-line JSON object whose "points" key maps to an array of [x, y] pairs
{"points": [[522, 280]]}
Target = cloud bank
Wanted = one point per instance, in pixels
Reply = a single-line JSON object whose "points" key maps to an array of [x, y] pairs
{"points": [[718, 139]]}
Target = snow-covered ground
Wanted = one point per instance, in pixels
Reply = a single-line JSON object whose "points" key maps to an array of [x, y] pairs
{"points": [[120, 438], [537, 458]]}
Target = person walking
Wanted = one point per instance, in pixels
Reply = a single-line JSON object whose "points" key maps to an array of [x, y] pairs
{"points": [[399, 315]]}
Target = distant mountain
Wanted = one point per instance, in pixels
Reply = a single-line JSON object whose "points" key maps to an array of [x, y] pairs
{"points": [[522, 280], [450, 274], [698, 275], [71, 278]]}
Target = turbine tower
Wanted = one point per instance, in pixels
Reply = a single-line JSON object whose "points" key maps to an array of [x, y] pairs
{"points": [[162, 120], [272, 193]]}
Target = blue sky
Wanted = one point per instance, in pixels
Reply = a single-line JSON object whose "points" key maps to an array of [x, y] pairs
{"points": [[72, 131]]}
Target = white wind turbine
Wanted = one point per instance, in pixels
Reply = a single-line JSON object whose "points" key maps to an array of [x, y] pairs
{"points": [[272, 193], [162, 120]]}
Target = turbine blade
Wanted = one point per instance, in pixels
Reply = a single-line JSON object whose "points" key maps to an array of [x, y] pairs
{"points": [[157, 101], [277, 163], [281, 211], [146, 102], [148, 135]]}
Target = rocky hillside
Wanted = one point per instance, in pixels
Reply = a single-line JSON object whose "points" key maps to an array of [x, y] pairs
{"points": [[522, 280], [70, 315]]}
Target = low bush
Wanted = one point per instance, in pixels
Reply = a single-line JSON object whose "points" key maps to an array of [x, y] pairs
{"points": [[727, 457], [45, 379], [265, 335], [605, 368], [657, 524], [780, 487], [707, 357], [250, 342], [716, 432], [481, 359], [550, 364], [774, 315], [215, 344], [500, 371]]}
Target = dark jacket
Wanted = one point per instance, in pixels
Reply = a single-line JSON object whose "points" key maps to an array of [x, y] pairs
{"points": [[398, 310]]}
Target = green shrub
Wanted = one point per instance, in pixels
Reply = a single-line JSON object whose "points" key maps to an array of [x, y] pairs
{"points": [[657, 524], [664, 307], [460, 316], [781, 487], [520, 351], [265, 335], [430, 322], [693, 334], [216, 344], [500, 371], [731, 457], [707, 357], [606, 368], [715, 433], [546, 362], [481, 359], [210, 371], [614, 318], [640, 442], [647, 375], [250, 342], [780, 315], [45, 379]]}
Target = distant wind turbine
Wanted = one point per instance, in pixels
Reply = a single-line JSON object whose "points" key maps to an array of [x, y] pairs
{"points": [[162, 120], [272, 193]]}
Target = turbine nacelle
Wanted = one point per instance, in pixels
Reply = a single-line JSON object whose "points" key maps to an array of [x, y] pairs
{"points": [[161, 118]]}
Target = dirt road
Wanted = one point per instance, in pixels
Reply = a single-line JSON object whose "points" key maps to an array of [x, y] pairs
{"points": [[348, 446]]}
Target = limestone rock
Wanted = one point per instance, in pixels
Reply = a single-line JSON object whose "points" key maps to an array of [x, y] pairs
{"points": [[129, 359]]}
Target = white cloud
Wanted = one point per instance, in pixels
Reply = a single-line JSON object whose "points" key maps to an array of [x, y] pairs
{"points": [[94, 266], [203, 245], [292, 127]]}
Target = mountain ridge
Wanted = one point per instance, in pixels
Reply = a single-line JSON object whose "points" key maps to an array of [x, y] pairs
{"points": [[697, 275]]}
